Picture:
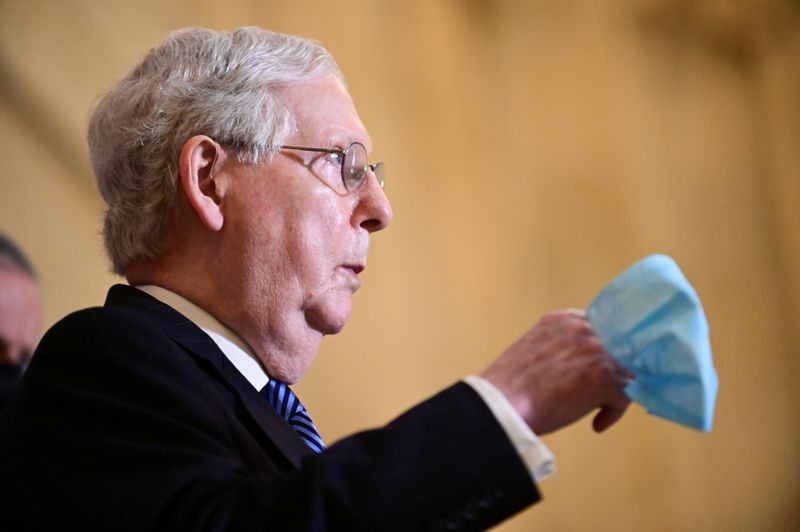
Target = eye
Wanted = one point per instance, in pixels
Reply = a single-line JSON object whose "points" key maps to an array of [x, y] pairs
{"points": [[328, 167], [334, 158]]}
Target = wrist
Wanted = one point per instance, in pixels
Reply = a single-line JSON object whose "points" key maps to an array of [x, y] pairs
{"points": [[516, 397]]}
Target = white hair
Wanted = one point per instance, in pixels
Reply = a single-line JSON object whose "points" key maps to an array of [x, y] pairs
{"points": [[197, 81]]}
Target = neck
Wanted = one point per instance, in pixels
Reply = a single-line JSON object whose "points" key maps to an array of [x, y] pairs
{"points": [[281, 338]]}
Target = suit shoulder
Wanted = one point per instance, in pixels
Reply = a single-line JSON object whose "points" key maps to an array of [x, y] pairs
{"points": [[98, 324]]}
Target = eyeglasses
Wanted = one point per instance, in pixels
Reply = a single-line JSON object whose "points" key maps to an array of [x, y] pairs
{"points": [[351, 161]]}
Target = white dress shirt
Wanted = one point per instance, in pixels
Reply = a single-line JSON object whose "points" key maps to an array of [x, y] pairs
{"points": [[536, 456]]}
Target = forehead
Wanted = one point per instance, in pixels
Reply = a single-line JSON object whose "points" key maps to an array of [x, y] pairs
{"points": [[325, 113], [18, 291]]}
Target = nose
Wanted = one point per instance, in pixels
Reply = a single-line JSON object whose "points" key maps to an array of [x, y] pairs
{"points": [[373, 211]]}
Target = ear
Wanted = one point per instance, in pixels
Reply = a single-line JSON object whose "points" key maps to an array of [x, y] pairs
{"points": [[199, 158]]}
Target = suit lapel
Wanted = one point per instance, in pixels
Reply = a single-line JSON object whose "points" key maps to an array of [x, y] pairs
{"points": [[184, 332]]}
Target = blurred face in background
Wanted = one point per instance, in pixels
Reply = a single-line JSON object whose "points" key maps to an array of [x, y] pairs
{"points": [[20, 316]]}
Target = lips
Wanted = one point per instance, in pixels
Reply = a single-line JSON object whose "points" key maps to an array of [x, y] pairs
{"points": [[355, 268], [352, 271]]}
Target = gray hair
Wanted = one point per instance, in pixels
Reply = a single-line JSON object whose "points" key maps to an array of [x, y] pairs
{"points": [[197, 81]]}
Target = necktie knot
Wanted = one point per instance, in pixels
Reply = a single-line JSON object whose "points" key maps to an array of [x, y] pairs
{"points": [[286, 403]]}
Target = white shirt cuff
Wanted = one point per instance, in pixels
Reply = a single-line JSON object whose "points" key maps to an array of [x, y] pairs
{"points": [[537, 457]]}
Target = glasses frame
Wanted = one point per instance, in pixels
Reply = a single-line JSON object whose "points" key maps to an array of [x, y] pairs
{"points": [[377, 169]]}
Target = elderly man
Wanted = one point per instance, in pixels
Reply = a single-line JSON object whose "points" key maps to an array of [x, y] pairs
{"points": [[240, 207]]}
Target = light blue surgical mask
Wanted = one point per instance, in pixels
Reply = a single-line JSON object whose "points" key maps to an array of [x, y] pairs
{"points": [[651, 320]]}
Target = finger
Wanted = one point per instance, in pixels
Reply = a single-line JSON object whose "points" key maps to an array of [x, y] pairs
{"points": [[576, 312], [607, 417], [623, 374], [611, 412], [627, 375]]}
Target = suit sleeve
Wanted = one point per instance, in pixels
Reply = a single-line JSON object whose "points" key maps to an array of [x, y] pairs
{"points": [[114, 431]]}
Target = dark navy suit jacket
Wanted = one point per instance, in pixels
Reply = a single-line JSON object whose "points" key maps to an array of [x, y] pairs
{"points": [[131, 418]]}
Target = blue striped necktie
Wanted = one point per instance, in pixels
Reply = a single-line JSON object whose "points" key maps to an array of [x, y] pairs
{"points": [[283, 399]]}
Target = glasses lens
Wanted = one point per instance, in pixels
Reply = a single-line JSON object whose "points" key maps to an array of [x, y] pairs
{"points": [[379, 169], [355, 165]]}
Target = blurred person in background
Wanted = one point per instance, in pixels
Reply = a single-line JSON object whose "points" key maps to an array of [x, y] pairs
{"points": [[20, 315]]}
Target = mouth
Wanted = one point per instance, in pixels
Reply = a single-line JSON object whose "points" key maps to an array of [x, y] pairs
{"points": [[355, 268]]}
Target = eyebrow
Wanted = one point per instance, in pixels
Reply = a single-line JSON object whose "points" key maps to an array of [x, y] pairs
{"points": [[341, 141]]}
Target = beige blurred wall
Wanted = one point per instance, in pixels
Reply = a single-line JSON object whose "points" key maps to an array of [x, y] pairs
{"points": [[535, 149]]}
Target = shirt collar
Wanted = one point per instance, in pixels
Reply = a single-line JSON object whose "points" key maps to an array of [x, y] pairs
{"points": [[231, 345]]}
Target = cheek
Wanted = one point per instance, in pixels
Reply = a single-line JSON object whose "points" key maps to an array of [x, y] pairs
{"points": [[296, 241], [320, 240]]}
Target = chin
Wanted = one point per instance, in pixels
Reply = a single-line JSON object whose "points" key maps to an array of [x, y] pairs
{"points": [[329, 319], [332, 326]]}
